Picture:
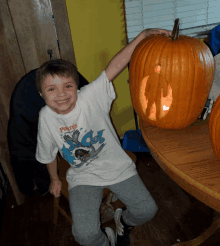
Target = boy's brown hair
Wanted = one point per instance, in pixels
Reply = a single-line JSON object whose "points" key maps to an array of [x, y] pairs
{"points": [[54, 68]]}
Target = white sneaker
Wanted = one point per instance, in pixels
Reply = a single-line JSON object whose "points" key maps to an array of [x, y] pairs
{"points": [[111, 235], [119, 226], [122, 229]]}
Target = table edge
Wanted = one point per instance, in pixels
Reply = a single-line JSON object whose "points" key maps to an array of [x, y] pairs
{"points": [[182, 179]]}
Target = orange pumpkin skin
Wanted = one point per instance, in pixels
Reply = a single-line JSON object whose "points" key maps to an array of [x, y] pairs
{"points": [[214, 127], [170, 80]]}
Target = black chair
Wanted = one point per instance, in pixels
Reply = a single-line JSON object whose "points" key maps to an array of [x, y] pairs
{"points": [[25, 105]]}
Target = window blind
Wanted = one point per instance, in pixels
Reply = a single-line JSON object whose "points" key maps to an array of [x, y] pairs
{"points": [[196, 17]]}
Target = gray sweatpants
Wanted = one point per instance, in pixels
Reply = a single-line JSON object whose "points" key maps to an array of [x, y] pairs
{"points": [[85, 202]]}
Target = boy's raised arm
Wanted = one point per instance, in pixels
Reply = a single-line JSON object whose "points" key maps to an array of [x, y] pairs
{"points": [[122, 58]]}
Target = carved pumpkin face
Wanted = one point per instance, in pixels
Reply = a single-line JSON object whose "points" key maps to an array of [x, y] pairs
{"points": [[170, 80]]}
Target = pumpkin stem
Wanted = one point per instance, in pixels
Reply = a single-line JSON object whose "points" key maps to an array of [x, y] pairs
{"points": [[175, 33]]}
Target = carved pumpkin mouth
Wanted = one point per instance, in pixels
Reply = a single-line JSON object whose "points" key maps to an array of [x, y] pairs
{"points": [[164, 102]]}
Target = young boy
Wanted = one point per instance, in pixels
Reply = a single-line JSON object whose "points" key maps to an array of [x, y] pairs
{"points": [[77, 124]]}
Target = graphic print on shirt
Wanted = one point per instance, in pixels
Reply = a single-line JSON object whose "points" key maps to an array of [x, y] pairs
{"points": [[80, 153]]}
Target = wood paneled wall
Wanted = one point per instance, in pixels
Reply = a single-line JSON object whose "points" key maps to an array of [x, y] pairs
{"points": [[27, 31], [63, 30]]}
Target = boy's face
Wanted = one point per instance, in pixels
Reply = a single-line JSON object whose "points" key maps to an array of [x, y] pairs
{"points": [[59, 93]]}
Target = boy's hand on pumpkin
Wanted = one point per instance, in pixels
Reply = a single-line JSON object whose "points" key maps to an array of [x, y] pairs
{"points": [[156, 31]]}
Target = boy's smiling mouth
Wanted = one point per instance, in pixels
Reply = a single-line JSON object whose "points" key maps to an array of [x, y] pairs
{"points": [[63, 101]]}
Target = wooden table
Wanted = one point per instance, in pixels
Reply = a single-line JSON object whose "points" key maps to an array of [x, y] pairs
{"points": [[186, 155]]}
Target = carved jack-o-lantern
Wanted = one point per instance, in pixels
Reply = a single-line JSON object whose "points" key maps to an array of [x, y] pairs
{"points": [[170, 79]]}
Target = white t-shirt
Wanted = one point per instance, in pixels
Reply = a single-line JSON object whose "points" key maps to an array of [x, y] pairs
{"points": [[85, 138]]}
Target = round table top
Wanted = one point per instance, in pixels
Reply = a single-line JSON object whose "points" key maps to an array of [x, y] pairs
{"points": [[186, 155]]}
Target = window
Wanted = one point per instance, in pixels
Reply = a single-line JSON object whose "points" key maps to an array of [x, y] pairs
{"points": [[196, 17]]}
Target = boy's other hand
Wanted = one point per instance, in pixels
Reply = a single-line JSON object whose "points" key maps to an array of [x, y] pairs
{"points": [[55, 187], [156, 31]]}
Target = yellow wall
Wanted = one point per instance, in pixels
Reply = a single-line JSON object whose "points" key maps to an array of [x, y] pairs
{"points": [[98, 34]]}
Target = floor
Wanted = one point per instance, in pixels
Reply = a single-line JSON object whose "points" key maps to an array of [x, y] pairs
{"points": [[180, 217]]}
